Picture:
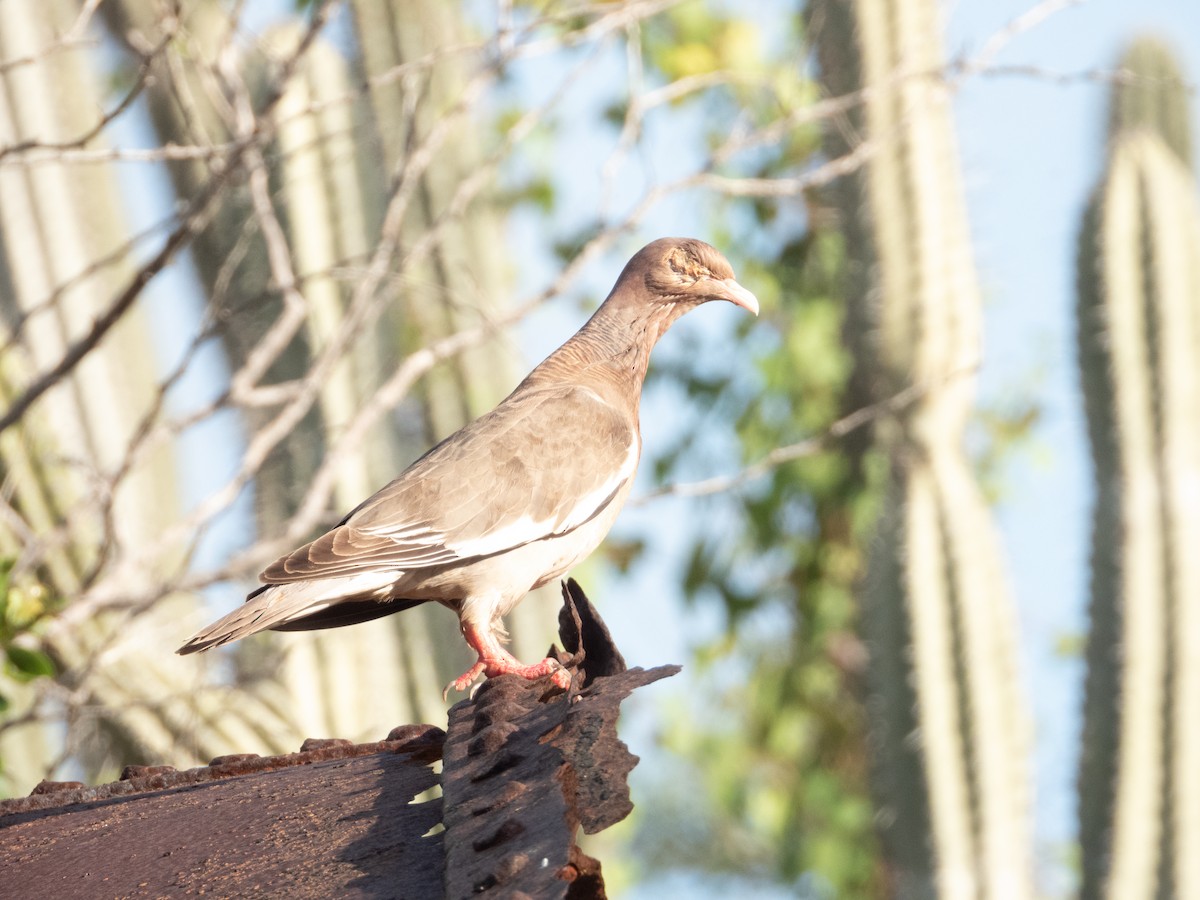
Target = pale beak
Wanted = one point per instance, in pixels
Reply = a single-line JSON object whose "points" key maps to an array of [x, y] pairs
{"points": [[728, 289]]}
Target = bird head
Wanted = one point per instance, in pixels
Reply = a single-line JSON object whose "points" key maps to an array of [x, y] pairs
{"points": [[687, 272]]}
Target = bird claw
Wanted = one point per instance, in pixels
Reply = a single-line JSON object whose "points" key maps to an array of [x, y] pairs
{"points": [[560, 677], [549, 666], [465, 680], [492, 668]]}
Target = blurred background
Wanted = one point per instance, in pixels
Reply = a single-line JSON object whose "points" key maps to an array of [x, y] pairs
{"points": [[924, 534]]}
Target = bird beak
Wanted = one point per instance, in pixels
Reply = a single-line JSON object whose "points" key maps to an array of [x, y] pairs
{"points": [[728, 289]]}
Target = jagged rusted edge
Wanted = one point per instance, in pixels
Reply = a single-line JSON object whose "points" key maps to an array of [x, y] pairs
{"points": [[585, 637], [524, 766], [521, 772], [424, 742]]}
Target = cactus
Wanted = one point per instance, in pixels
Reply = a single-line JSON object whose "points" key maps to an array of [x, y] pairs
{"points": [[454, 286], [449, 289], [56, 223], [1150, 92], [188, 106], [324, 179], [1138, 326], [50, 231], [332, 162], [935, 610]]}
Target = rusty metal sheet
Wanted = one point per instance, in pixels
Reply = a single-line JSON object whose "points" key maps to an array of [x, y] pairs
{"points": [[522, 770], [423, 739], [585, 636], [524, 767], [342, 826]]}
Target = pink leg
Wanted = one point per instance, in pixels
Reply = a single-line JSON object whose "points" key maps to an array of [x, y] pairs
{"points": [[494, 660]]}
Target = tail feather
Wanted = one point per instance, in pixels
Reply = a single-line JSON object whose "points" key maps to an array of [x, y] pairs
{"points": [[278, 606]]}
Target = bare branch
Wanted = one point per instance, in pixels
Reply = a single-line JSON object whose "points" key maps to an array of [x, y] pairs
{"points": [[36, 154], [226, 144], [851, 422], [197, 216], [105, 120], [1021, 24], [66, 44]]}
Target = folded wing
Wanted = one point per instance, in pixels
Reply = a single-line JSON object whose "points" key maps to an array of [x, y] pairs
{"points": [[539, 465]]}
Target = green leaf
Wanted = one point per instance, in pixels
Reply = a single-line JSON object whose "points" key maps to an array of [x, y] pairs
{"points": [[26, 664]]}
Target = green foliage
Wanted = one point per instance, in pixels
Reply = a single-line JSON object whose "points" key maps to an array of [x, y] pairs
{"points": [[693, 40], [1003, 431], [778, 782], [784, 769], [24, 604], [788, 773]]}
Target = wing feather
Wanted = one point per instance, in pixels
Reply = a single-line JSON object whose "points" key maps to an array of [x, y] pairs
{"points": [[540, 464]]}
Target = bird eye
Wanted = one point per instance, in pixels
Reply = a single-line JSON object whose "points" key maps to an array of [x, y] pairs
{"points": [[686, 266]]}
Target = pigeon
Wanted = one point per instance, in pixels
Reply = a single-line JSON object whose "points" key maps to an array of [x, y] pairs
{"points": [[511, 501]]}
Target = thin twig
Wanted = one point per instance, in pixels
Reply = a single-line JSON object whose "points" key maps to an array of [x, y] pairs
{"points": [[811, 446], [1019, 25], [106, 119], [199, 212], [40, 56]]}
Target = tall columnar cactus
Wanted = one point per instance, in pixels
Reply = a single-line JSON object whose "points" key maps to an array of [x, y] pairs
{"points": [[949, 723], [189, 106], [340, 165], [1150, 92], [59, 223], [1139, 335], [454, 285], [324, 172]]}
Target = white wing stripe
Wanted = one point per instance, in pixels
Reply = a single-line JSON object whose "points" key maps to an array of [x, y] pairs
{"points": [[526, 529], [589, 503], [323, 591]]}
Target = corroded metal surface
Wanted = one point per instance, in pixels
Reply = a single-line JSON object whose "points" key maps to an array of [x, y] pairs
{"points": [[580, 627], [525, 765], [521, 773], [334, 821], [140, 779]]}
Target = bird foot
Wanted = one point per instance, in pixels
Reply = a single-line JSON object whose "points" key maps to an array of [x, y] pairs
{"points": [[495, 667]]}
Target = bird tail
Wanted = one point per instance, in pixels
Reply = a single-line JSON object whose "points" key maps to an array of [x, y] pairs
{"points": [[288, 606]]}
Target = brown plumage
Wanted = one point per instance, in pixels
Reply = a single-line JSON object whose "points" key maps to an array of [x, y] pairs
{"points": [[512, 500]]}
